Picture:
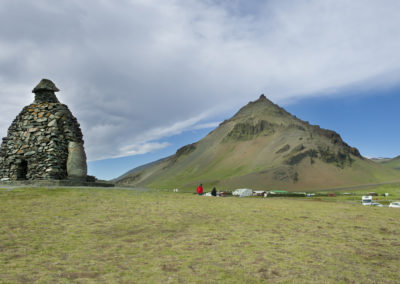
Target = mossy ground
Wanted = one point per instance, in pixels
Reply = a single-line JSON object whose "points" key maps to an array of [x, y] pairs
{"points": [[125, 236]]}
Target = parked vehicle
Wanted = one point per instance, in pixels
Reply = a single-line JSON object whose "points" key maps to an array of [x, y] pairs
{"points": [[366, 200], [376, 204], [395, 204]]}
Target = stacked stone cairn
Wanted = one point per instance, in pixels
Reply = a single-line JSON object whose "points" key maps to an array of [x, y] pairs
{"points": [[44, 141]]}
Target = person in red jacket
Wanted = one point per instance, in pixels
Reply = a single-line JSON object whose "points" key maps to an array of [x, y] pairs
{"points": [[200, 189]]}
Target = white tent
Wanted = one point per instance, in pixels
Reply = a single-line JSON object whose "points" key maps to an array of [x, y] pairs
{"points": [[242, 192]]}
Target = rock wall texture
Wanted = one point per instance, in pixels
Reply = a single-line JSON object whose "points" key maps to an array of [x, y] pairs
{"points": [[36, 146]]}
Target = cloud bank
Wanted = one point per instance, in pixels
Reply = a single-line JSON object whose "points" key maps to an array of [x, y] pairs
{"points": [[137, 71]]}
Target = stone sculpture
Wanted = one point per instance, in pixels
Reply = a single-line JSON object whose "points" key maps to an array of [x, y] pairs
{"points": [[44, 141], [76, 163]]}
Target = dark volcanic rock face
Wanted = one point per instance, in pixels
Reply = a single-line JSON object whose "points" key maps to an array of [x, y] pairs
{"points": [[249, 130], [36, 146], [336, 140], [186, 149]]}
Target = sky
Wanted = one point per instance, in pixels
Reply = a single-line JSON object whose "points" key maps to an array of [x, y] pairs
{"points": [[145, 77]]}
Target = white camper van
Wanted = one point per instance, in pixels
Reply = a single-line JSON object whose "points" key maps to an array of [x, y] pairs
{"points": [[366, 200]]}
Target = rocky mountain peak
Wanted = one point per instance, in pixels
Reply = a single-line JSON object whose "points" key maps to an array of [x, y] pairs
{"points": [[262, 99], [263, 109]]}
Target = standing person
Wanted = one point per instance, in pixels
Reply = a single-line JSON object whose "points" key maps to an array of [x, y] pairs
{"points": [[214, 192], [200, 189]]}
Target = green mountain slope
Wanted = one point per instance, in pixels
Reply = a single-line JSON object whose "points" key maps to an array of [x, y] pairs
{"points": [[262, 146], [390, 163]]}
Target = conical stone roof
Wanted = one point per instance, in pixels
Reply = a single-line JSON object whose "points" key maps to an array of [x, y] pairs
{"points": [[45, 85], [44, 92]]}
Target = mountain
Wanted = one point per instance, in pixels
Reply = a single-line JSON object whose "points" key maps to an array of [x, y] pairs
{"points": [[262, 147]]}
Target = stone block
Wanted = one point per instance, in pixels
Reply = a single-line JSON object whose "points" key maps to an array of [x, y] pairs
{"points": [[76, 163]]}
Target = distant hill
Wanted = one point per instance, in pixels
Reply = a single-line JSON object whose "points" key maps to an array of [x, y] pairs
{"points": [[141, 168], [393, 163], [261, 147]]}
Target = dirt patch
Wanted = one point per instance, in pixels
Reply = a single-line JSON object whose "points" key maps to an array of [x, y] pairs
{"points": [[169, 267], [79, 275]]}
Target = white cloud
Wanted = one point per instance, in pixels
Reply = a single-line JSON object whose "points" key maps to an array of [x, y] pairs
{"points": [[140, 148], [206, 125], [136, 71]]}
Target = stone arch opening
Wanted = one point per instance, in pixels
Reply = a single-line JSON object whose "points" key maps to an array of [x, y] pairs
{"points": [[22, 170]]}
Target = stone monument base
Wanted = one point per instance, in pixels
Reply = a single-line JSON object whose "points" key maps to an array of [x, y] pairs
{"points": [[57, 183]]}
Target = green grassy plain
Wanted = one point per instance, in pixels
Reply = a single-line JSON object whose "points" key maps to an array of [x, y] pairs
{"points": [[125, 236]]}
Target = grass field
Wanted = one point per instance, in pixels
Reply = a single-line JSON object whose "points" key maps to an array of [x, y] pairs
{"points": [[124, 236]]}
